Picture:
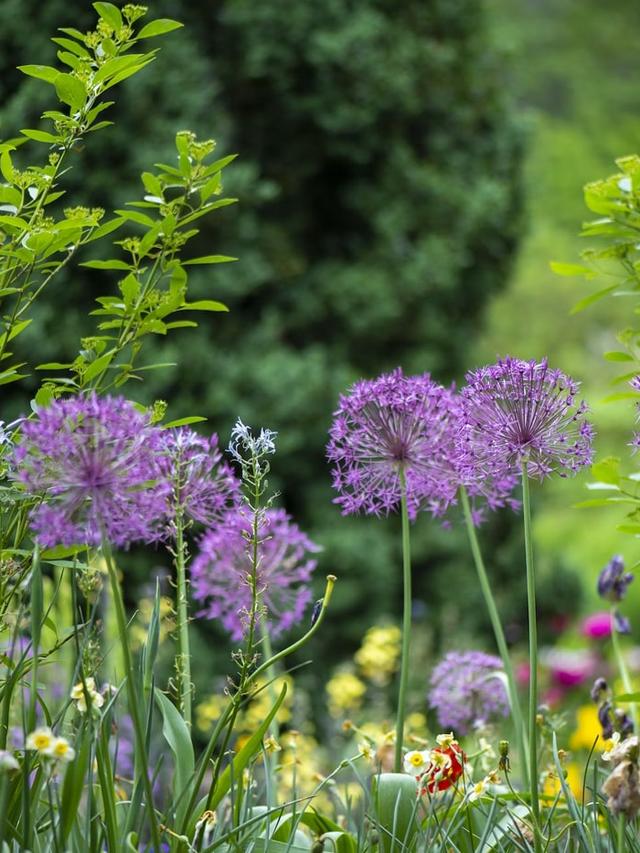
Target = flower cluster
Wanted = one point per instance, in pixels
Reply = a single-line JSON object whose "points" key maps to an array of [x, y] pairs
{"points": [[45, 743], [613, 582], [391, 434], [93, 461], [439, 768], [80, 692], [466, 690], [203, 487], [221, 572], [524, 413]]}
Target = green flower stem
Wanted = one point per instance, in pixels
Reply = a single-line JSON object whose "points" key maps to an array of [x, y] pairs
{"points": [[621, 845], [274, 728], [140, 741], [183, 658], [622, 668], [533, 659], [406, 623], [498, 632]]}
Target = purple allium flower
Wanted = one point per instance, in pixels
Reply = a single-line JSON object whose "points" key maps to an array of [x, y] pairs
{"points": [[391, 424], [203, 487], [465, 690], [613, 580], [94, 462], [220, 574], [522, 411]]}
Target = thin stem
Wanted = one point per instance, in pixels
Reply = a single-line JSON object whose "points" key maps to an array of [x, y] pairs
{"points": [[406, 623], [621, 845], [622, 668], [274, 728], [183, 658], [498, 632], [140, 741], [533, 658]]}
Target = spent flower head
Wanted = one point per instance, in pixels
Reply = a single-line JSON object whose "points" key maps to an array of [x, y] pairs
{"points": [[94, 463], [523, 412], [202, 486], [466, 690], [221, 572], [613, 581], [392, 430]]}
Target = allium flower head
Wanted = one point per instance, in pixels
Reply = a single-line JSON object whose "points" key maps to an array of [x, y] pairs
{"points": [[94, 462], [613, 580], [202, 485], [221, 571], [389, 425], [465, 691], [522, 411]]}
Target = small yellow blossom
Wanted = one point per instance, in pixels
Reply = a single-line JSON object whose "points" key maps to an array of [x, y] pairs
{"points": [[609, 745], [588, 728], [378, 656], [79, 696], [366, 750], [478, 790], [446, 740], [272, 745], [345, 693]]}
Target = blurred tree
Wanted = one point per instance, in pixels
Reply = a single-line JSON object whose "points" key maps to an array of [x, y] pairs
{"points": [[379, 183]]}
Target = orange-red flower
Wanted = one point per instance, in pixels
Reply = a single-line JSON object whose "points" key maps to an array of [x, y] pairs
{"points": [[446, 765]]}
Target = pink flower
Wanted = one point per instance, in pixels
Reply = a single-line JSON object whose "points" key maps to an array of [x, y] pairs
{"points": [[597, 625]]}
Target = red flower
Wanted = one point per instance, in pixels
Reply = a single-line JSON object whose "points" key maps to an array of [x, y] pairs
{"points": [[444, 769]]}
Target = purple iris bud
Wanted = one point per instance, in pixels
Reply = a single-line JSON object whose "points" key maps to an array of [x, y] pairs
{"points": [[613, 580]]}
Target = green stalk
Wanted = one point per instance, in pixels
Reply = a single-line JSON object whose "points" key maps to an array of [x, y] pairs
{"points": [[140, 747], [621, 845], [406, 623], [274, 728], [501, 642], [183, 658], [622, 668], [533, 658]]}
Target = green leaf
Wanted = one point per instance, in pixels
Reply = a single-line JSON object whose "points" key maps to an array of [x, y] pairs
{"points": [[158, 28], [40, 136], [594, 297], [177, 735], [627, 697], [395, 800], [204, 305], [6, 167], [617, 356], [607, 470], [571, 269], [194, 419], [40, 72], [209, 259], [107, 265], [73, 787], [109, 13], [94, 368], [71, 91]]}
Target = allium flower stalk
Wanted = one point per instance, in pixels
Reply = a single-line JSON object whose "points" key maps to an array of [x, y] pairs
{"points": [[466, 690], [94, 463], [202, 488], [522, 417], [221, 572], [392, 444]]}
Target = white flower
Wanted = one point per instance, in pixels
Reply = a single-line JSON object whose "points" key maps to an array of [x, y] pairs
{"points": [[446, 740], [417, 761], [41, 740], [62, 750], [79, 695], [8, 761], [609, 745], [478, 790]]}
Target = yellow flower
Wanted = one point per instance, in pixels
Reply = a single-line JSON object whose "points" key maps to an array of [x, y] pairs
{"points": [[79, 697], [209, 710], [446, 740], [588, 728], [609, 745], [345, 692], [478, 790], [377, 658], [552, 784]]}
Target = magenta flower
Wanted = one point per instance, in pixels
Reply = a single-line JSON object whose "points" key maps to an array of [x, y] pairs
{"points": [[597, 625], [466, 690], [220, 574], [389, 425], [522, 411], [202, 485], [94, 463]]}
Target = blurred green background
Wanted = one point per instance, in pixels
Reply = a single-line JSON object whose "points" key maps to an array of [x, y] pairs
{"points": [[406, 172]]}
